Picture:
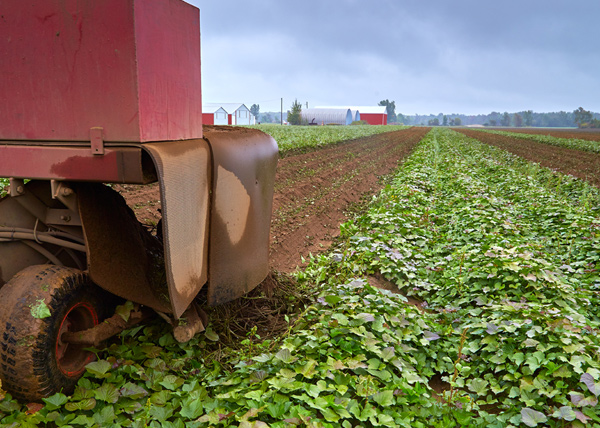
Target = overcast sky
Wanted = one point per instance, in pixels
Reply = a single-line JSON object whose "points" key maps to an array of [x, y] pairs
{"points": [[436, 56]]}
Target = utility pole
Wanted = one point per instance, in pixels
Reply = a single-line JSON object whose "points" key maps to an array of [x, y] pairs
{"points": [[282, 111]]}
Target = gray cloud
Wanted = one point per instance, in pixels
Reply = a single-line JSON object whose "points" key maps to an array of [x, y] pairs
{"points": [[437, 56]]}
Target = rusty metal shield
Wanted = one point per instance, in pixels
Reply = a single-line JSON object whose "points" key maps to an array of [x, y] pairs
{"points": [[184, 171], [130, 263], [123, 258], [244, 163]]}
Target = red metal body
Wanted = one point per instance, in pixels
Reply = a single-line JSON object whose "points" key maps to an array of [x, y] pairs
{"points": [[131, 67]]}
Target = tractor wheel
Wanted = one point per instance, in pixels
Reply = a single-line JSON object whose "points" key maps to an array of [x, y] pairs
{"points": [[37, 306]]}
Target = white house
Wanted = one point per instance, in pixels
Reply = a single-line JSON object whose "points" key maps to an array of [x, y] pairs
{"points": [[239, 114]]}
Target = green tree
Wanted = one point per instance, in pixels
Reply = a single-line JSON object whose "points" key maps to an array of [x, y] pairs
{"points": [[493, 122], [390, 107], [457, 121], [255, 110], [528, 117], [434, 122], [518, 120], [505, 119], [445, 121], [294, 116], [582, 116]]}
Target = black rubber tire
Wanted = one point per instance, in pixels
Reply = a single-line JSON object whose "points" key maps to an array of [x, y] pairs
{"points": [[34, 363]]}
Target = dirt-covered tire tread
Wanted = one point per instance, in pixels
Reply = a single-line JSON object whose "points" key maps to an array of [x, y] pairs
{"points": [[28, 364]]}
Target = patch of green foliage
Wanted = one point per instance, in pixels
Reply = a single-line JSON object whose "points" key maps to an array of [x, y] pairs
{"points": [[312, 137], [571, 143], [505, 257], [3, 187]]}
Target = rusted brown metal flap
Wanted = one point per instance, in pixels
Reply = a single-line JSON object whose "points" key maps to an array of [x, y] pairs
{"points": [[184, 170], [123, 258], [244, 163]]}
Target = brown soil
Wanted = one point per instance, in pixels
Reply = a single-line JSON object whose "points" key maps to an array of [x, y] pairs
{"points": [[314, 192], [378, 281], [584, 165], [582, 134]]}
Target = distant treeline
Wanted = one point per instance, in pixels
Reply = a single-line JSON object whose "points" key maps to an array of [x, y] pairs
{"points": [[522, 118], [271, 117]]}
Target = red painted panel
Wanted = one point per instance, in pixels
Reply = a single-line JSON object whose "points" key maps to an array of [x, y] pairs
{"points": [[131, 67], [208, 118], [117, 165], [374, 119], [168, 49]]}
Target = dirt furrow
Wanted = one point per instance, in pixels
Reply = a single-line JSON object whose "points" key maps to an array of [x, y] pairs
{"points": [[318, 177], [589, 134], [584, 165]]}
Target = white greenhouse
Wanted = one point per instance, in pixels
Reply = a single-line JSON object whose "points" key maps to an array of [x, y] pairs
{"points": [[326, 116]]}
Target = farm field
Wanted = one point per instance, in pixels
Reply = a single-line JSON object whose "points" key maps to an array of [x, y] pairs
{"points": [[491, 266], [581, 164], [500, 260], [581, 134], [576, 143], [315, 191], [302, 138]]}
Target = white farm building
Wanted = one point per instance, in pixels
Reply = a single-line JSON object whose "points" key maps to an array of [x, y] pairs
{"points": [[326, 116], [239, 114], [227, 114]]}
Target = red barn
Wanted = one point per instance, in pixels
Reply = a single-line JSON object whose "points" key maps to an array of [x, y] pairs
{"points": [[373, 115]]}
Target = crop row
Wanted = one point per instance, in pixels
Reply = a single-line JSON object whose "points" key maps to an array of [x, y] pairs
{"points": [[571, 143], [505, 256], [305, 137]]}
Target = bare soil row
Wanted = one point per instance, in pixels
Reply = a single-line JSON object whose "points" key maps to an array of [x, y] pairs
{"points": [[584, 165], [589, 134]]}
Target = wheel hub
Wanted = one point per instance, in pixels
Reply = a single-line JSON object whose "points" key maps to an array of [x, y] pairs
{"points": [[70, 358]]}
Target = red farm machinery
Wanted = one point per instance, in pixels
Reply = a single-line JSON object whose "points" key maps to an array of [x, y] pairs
{"points": [[99, 92]]}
